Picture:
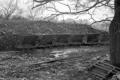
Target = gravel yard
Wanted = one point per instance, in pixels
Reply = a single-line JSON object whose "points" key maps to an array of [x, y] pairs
{"points": [[65, 63]]}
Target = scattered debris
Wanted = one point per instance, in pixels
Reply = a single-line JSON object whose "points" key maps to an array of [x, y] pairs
{"points": [[72, 66]]}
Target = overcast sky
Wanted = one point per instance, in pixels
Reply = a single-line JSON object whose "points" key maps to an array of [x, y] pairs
{"points": [[24, 4]]}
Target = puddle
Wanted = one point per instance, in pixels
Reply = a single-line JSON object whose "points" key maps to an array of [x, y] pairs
{"points": [[63, 53]]}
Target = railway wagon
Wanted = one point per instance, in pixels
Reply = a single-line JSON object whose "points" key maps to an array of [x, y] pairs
{"points": [[75, 39], [46, 40], [54, 40], [40, 41], [94, 38], [26, 41], [61, 40]]}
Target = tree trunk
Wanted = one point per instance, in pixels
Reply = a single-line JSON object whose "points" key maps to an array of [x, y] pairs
{"points": [[115, 36]]}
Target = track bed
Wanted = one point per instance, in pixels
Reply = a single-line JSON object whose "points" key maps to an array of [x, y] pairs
{"points": [[50, 64]]}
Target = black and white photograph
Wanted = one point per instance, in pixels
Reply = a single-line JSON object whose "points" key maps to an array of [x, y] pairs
{"points": [[59, 40]]}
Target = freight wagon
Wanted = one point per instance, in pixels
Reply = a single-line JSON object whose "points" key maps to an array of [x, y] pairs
{"points": [[57, 40]]}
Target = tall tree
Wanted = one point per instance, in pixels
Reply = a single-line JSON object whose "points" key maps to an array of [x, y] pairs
{"points": [[115, 36]]}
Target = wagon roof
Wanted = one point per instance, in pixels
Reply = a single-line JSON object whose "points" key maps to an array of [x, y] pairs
{"points": [[44, 27]]}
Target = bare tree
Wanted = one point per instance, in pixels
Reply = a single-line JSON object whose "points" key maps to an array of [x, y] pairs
{"points": [[115, 36], [114, 28], [32, 13], [9, 8], [77, 7]]}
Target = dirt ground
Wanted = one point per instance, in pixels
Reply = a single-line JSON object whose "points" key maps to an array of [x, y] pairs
{"points": [[65, 63]]}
